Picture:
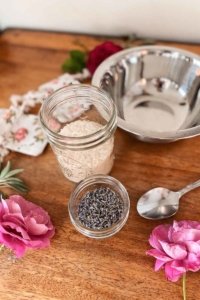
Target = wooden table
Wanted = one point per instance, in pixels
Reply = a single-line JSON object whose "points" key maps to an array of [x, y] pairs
{"points": [[76, 267]]}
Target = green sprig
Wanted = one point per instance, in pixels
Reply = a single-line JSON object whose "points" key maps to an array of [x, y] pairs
{"points": [[75, 63], [7, 179]]}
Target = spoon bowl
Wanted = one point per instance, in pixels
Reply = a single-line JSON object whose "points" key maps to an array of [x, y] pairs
{"points": [[158, 203]]}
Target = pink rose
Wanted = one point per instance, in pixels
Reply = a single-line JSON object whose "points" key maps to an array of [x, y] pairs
{"points": [[24, 225], [176, 248], [20, 134], [99, 53]]}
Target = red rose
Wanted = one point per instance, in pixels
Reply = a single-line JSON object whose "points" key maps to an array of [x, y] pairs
{"points": [[99, 53]]}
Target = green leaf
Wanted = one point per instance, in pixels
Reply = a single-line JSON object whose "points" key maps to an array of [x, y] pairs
{"points": [[7, 179], [72, 66], [13, 172], [12, 180], [75, 63], [20, 188], [78, 56], [5, 170]]}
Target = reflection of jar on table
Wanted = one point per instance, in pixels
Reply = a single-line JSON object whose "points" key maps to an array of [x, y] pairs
{"points": [[80, 121]]}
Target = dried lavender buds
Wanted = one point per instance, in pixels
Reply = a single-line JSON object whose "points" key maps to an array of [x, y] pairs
{"points": [[100, 208]]}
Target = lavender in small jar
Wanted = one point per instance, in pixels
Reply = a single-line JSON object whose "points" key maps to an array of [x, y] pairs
{"points": [[100, 208]]}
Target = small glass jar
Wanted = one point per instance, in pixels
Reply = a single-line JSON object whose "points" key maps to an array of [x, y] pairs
{"points": [[89, 184], [80, 121]]}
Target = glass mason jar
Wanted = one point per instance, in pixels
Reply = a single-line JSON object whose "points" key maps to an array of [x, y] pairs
{"points": [[80, 121]]}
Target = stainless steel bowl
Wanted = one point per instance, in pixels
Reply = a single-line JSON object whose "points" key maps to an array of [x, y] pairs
{"points": [[156, 90]]}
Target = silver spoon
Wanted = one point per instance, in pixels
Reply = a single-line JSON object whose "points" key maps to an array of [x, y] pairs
{"points": [[161, 203]]}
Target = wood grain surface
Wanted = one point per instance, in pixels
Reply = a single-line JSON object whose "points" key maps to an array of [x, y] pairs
{"points": [[75, 267]]}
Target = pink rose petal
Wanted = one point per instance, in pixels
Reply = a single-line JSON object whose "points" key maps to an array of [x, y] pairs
{"points": [[160, 233], [186, 235], [172, 273], [16, 245], [159, 255], [14, 218], [35, 228], [193, 247], [14, 230], [14, 207], [4, 206], [174, 251], [193, 262], [39, 244], [159, 264]]}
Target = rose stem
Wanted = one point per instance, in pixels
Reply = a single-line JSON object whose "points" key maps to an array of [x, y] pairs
{"points": [[184, 286], [1, 247]]}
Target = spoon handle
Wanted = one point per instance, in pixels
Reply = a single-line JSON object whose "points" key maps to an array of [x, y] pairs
{"points": [[189, 187]]}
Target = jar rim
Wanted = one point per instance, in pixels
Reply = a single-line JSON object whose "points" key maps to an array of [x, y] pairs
{"points": [[98, 136]]}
